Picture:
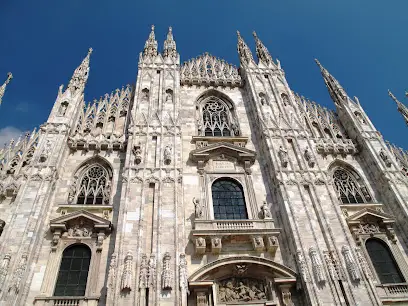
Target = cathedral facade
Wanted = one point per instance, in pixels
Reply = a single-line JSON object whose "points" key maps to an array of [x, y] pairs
{"points": [[203, 184]]}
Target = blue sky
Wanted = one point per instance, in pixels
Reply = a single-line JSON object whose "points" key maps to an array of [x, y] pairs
{"points": [[362, 43]]}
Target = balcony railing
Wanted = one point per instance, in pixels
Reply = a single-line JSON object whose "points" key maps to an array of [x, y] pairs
{"points": [[234, 226], [393, 291], [66, 301]]}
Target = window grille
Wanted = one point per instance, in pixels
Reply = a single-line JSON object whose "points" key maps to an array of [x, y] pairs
{"points": [[383, 262], [73, 272], [228, 200]]}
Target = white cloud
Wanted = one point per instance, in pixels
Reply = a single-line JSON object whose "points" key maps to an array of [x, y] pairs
{"points": [[7, 133]]}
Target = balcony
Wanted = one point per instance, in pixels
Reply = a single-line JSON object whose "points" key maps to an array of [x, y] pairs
{"points": [[210, 234], [66, 301], [393, 292]]}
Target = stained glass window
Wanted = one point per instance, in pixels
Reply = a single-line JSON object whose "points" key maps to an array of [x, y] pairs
{"points": [[73, 272], [228, 200], [348, 189], [383, 262], [94, 186]]}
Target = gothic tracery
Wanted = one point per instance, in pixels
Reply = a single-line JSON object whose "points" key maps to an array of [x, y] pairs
{"points": [[348, 188]]}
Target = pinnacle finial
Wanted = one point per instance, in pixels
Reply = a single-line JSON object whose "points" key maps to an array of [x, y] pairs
{"points": [[244, 52], [3, 87], [150, 48], [170, 49], [401, 107], [318, 64], [80, 76], [261, 51]]}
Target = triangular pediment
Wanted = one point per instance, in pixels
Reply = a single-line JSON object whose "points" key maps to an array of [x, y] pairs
{"points": [[369, 213], [84, 216], [224, 148]]}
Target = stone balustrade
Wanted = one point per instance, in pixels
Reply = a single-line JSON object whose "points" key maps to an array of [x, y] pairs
{"points": [[66, 301], [393, 292], [211, 234]]}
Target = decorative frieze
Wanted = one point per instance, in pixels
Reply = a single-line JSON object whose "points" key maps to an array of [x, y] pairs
{"points": [[328, 146], [127, 274]]}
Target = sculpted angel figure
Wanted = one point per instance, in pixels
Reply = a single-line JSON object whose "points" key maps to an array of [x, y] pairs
{"points": [[198, 209]]}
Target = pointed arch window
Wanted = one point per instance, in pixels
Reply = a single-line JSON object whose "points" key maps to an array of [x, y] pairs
{"points": [[217, 119], [228, 200], [383, 262], [94, 187], [349, 189], [73, 271]]}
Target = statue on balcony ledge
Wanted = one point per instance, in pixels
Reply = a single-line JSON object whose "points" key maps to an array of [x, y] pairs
{"points": [[265, 211], [198, 209]]}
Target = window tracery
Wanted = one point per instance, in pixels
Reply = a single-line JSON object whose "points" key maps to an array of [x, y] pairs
{"points": [[217, 119], [348, 188], [228, 200], [94, 187], [383, 262]]}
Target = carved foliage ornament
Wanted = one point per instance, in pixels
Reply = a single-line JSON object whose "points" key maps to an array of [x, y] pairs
{"points": [[126, 281], [241, 290], [167, 276]]}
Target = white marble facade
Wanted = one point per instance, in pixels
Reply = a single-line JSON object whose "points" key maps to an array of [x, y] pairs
{"points": [[134, 181]]}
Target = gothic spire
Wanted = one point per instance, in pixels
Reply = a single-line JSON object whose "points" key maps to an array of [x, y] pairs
{"points": [[261, 51], [401, 107], [3, 87], [244, 52], [336, 91], [170, 49], [150, 48], [80, 76]]}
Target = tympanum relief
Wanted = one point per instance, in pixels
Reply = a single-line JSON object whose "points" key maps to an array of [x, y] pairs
{"points": [[241, 290]]}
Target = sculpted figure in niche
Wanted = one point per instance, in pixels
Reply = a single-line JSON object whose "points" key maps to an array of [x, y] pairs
{"points": [[199, 127], [167, 154], [63, 109], [266, 212], [283, 156], [169, 97], [198, 209]]}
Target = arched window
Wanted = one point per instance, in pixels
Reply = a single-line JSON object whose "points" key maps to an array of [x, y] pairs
{"points": [[73, 271], [348, 188], [228, 200], [383, 262], [217, 119], [94, 187]]}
